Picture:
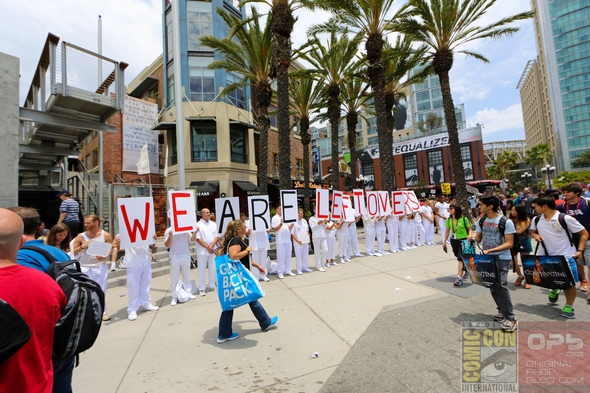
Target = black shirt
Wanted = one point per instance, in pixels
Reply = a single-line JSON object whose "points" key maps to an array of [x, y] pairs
{"points": [[246, 259]]}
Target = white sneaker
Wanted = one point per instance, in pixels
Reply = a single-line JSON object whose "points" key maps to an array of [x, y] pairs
{"points": [[341, 260], [265, 279], [289, 274], [404, 249], [113, 269], [386, 252], [307, 270], [281, 276], [321, 269], [174, 302], [377, 254], [133, 315], [150, 307], [191, 296], [202, 293], [347, 259], [359, 255], [413, 247], [299, 272]]}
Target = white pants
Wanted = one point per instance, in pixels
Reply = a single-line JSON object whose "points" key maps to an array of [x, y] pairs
{"points": [[420, 233], [180, 265], [284, 257], [259, 256], [429, 229], [331, 254], [320, 252], [354, 240], [370, 239], [99, 275], [393, 234], [204, 262], [413, 232], [139, 281], [301, 256], [343, 245], [380, 240], [404, 233], [442, 227]]}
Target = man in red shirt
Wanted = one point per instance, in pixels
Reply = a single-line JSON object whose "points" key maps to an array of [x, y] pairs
{"points": [[39, 300]]}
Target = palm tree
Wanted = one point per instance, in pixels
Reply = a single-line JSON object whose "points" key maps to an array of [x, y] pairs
{"points": [[282, 23], [331, 66], [369, 19], [505, 160], [432, 123], [583, 159], [305, 97], [537, 156], [250, 55], [445, 25]]}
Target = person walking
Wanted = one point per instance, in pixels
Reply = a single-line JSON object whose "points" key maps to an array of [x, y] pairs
{"points": [[494, 242], [441, 211], [237, 250], [522, 223], [458, 229], [68, 212]]}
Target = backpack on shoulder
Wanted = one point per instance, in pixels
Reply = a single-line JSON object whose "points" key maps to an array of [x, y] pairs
{"points": [[574, 238], [501, 224], [81, 318]]}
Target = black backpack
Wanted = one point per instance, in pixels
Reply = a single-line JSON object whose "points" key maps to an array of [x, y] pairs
{"points": [[81, 318], [574, 238], [501, 224]]}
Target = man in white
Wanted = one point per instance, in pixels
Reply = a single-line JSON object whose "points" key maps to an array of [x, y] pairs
{"points": [[441, 211], [139, 278], [354, 239], [343, 240], [94, 266], [207, 238], [300, 235], [283, 243], [427, 221], [320, 246], [180, 261], [260, 246], [369, 224], [393, 232]]}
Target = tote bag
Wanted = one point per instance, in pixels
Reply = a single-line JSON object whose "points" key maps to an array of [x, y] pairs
{"points": [[236, 284], [482, 269], [549, 271]]}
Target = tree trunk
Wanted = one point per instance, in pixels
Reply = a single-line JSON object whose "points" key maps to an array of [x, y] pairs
{"points": [[376, 74], [282, 26], [334, 115], [389, 104], [351, 121], [261, 98], [442, 70], [305, 140]]}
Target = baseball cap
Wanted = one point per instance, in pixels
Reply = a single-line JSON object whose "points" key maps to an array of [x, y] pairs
{"points": [[62, 192]]}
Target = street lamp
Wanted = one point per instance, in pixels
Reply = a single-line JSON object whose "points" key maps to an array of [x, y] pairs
{"points": [[549, 170], [526, 178], [361, 179]]}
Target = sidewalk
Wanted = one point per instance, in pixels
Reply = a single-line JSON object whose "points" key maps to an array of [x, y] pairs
{"points": [[379, 324]]}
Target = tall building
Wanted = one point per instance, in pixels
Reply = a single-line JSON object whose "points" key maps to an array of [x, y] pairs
{"points": [[562, 31]]}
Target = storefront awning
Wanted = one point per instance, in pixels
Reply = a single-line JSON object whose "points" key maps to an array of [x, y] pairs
{"points": [[165, 125], [248, 187], [205, 188]]}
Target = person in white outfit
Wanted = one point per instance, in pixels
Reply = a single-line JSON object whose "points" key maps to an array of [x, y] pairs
{"points": [[441, 211], [207, 239], [139, 278], [404, 233], [354, 239], [420, 232], [369, 225], [380, 234], [393, 232], [94, 266], [343, 240], [320, 245], [180, 261], [300, 235], [331, 241], [283, 241], [260, 246], [427, 221]]}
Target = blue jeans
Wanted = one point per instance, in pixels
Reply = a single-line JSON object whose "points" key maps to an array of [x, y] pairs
{"points": [[500, 293], [63, 369], [225, 330]]}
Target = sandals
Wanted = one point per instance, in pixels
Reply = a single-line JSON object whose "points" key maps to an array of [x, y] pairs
{"points": [[519, 280], [526, 285], [584, 286]]}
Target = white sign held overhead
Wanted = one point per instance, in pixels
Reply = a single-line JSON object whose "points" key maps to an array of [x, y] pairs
{"points": [[372, 203], [183, 217], [337, 205], [398, 203], [359, 201], [384, 205], [259, 209], [289, 206], [136, 222], [227, 210], [322, 204], [347, 209]]}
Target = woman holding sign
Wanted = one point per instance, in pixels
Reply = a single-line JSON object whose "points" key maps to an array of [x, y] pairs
{"points": [[237, 250]]}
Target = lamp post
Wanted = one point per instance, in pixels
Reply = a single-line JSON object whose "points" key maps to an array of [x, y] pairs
{"points": [[361, 179], [549, 170], [526, 178]]}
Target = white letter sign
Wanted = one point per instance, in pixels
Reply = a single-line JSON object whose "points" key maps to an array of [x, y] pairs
{"points": [[259, 210], [227, 209], [136, 221], [359, 201], [372, 203], [322, 204], [183, 217], [289, 206]]}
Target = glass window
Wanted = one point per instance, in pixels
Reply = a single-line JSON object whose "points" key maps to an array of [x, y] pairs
{"points": [[238, 137], [204, 141], [299, 167], [199, 23], [368, 168], [173, 148], [411, 169], [275, 161], [373, 141], [201, 79], [169, 37], [170, 84], [238, 96], [466, 153], [435, 167], [272, 110]]}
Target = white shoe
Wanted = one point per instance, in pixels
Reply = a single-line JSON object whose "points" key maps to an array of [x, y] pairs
{"points": [[359, 255], [404, 249], [413, 247], [265, 279], [377, 254], [289, 274], [113, 269], [133, 315], [192, 297], [347, 259], [281, 276], [307, 270], [150, 307], [202, 293], [321, 269], [174, 302], [341, 260], [299, 272]]}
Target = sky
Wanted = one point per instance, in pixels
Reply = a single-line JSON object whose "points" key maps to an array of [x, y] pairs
{"points": [[132, 33]]}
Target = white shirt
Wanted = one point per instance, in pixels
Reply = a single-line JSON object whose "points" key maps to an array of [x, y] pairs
{"points": [[554, 236], [368, 221], [137, 256], [207, 233], [301, 230], [179, 243], [259, 240], [443, 209], [426, 211], [318, 230], [283, 234]]}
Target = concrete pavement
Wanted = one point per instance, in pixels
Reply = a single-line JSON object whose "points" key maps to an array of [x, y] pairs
{"points": [[379, 324]]}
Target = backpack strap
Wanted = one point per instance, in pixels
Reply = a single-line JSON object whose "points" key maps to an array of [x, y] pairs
{"points": [[50, 258], [502, 225], [561, 219]]}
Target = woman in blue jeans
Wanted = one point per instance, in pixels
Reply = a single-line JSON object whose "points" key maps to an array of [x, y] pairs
{"points": [[233, 242]]}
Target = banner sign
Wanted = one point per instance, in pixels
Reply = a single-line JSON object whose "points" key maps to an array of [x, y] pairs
{"points": [[138, 118], [436, 141], [136, 222]]}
